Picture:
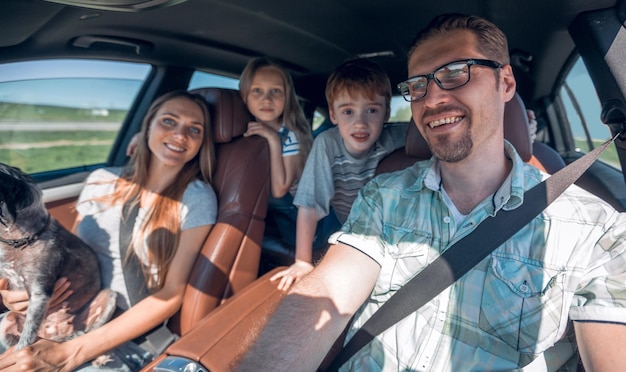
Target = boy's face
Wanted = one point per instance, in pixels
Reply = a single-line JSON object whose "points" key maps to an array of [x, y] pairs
{"points": [[360, 121]]}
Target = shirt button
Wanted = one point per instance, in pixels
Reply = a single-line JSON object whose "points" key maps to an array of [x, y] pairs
{"points": [[523, 288], [446, 219]]}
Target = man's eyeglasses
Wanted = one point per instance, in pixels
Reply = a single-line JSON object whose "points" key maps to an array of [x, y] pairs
{"points": [[449, 76]]}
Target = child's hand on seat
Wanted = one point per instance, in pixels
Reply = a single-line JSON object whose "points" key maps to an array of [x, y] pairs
{"points": [[292, 274]]}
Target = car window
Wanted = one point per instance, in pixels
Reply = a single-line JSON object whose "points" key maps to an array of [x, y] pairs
{"points": [[60, 114], [583, 109], [201, 79], [400, 109]]}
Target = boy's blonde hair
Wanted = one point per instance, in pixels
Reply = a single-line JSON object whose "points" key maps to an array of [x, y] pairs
{"points": [[359, 76]]}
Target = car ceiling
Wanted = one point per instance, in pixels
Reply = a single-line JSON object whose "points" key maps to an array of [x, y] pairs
{"points": [[308, 37]]}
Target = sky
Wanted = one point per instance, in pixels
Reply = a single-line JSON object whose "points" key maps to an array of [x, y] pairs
{"points": [[82, 83]]}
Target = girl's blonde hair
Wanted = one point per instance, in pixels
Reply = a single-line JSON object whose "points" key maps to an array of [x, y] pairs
{"points": [[161, 227], [292, 116]]}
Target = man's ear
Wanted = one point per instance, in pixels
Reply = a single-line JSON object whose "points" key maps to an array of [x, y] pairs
{"points": [[508, 82]]}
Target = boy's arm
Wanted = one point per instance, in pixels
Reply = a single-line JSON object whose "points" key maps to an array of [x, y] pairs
{"points": [[306, 224], [314, 313]]}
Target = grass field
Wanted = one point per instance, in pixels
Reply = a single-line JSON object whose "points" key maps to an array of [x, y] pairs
{"points": [[24, 112], [45, 150], [58, 157], [37, 151], [609, 156]]}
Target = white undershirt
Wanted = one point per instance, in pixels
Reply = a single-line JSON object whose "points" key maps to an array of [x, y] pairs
{"points": [[459, 218]]}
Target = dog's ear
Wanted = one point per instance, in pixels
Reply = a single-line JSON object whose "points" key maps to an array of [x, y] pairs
{"points": [[7, 216], [17, 192]]}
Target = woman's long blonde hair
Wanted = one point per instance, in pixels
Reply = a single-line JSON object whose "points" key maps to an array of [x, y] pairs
{"points": [[292, 116], [161, 227]]}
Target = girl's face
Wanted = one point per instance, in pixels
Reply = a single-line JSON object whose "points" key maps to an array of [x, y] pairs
{"points": [[266, 97], [176, 132]]}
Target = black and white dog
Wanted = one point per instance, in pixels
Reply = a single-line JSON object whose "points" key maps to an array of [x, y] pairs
{"points": [[35, 251]]}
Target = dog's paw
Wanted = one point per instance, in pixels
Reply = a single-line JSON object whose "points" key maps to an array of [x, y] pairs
{"points": [[102, 360], [100, 309]]}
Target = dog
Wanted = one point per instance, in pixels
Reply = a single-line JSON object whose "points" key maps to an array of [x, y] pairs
{"points": [[35, 251]]}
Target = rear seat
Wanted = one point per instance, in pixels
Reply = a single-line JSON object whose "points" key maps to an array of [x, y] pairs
{"points": [[229, 259]]}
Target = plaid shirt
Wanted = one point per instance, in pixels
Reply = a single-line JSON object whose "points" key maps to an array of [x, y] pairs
{"points": [[513, 308]]}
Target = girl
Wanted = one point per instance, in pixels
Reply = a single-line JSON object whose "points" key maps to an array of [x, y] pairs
{"points": [[167, 184], [267, 89]]}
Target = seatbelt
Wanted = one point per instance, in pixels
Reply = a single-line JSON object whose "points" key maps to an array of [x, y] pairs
{"points": [[160, 337], [457, 260], [133, 272]]}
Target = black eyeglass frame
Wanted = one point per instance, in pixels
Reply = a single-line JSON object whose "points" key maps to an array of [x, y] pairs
{"points": [[431, 76]]}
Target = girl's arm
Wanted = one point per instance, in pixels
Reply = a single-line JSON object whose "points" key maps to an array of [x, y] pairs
{"points": [[283, 170], [140, 318], [306, 225]]}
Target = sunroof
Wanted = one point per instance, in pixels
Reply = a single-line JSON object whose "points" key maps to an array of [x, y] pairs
{"points": [[119, 5]]}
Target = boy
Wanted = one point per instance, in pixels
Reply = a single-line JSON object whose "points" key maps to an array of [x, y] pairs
{"points": [[343, 158]]}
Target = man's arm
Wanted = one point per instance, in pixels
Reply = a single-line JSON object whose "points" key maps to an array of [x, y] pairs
{"points": [[601, 345], [314, 313]]}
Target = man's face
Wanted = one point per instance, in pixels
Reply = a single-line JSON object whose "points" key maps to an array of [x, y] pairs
{"points": [[455, 122]]}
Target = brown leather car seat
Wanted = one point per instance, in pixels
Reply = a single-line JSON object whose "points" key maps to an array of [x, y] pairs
{"points": [[229, 259], [516, 131]]}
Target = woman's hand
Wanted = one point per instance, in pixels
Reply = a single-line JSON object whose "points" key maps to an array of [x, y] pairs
{"points": [[43, 355], [292, 274], [17, 301]]}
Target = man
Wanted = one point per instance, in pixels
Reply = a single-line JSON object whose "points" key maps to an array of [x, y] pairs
{"points": [[516, 308]]}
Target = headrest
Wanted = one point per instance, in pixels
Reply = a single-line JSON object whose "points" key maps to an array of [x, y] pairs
{"points": [[515, 131], [229, 114]]}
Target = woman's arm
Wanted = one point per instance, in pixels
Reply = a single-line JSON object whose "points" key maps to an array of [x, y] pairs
{"points": [[140, 318]]}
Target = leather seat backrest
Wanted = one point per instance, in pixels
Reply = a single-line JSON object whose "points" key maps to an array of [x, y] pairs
{"points": [[230, 256], [516, 131]]}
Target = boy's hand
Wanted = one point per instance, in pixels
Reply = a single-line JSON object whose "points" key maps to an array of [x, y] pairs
{"points": [[292, 274], [18, 300]]}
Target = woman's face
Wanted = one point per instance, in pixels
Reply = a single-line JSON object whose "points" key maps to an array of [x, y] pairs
{"points": [[176, 132]]}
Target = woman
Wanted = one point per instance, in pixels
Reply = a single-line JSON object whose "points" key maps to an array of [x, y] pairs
{"points": [[167, 179]]}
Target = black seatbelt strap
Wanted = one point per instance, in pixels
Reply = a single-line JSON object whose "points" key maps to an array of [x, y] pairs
{"points": [[133, 273], [465, 254], [159, 338]]}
